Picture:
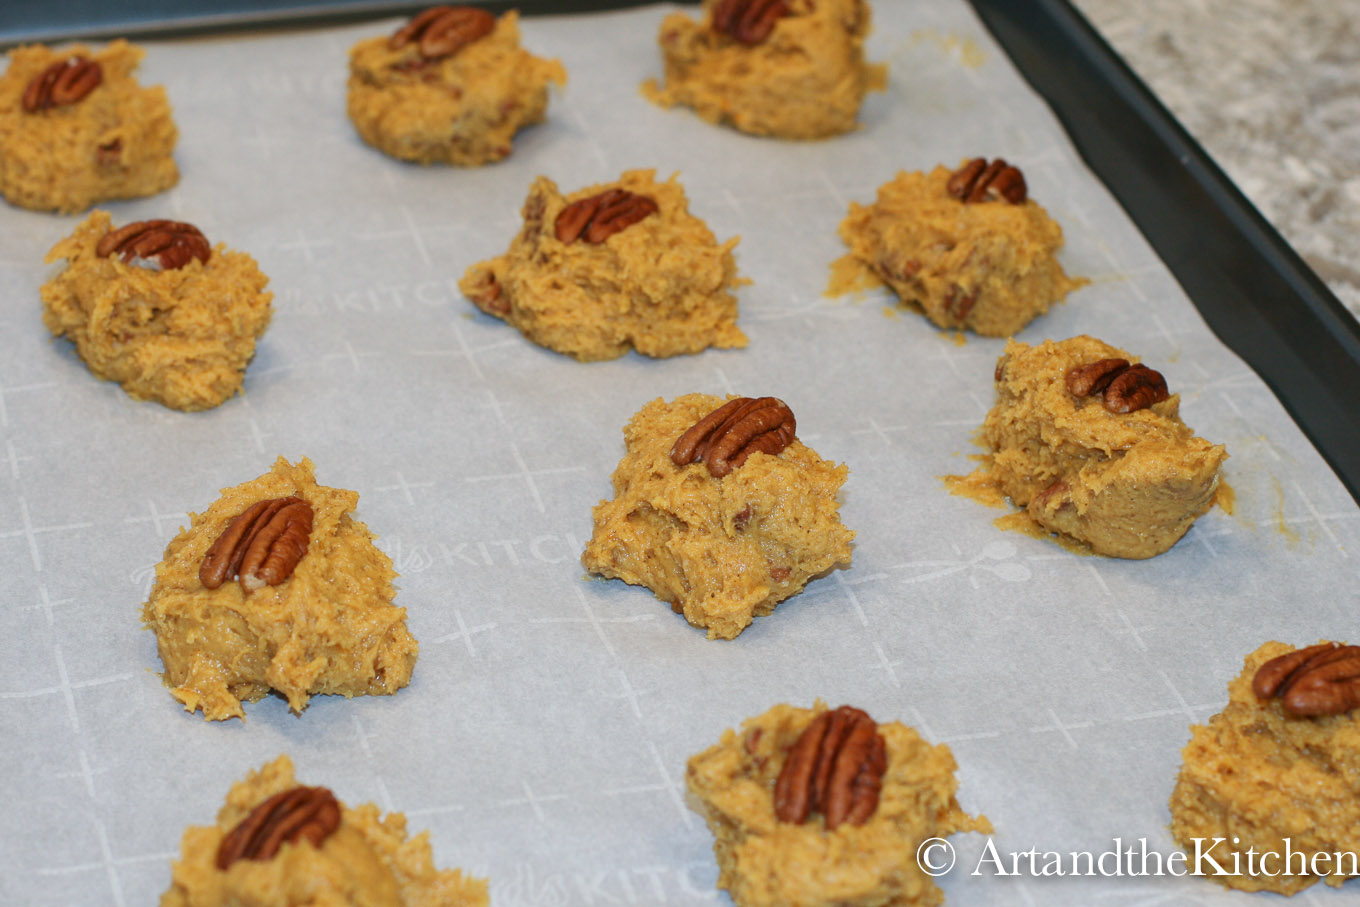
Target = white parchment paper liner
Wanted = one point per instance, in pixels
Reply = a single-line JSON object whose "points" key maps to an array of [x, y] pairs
{"points": [[544, 738]]}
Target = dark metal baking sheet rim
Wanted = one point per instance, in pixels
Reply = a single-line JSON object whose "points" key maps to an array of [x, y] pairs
{"points": [[1250, 286]]}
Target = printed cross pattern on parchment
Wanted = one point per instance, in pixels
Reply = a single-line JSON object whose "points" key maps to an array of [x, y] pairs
{"points": [[464, 350], [30, 532], [12, 459], [6, 390], [529, 476]]}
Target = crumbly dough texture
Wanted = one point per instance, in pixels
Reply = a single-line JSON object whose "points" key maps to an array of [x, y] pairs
{"points": [[661, 286], [763, 862], [1255, 776], [329, 628], [988, 267], [461, 109], [1135, 482], [181, 337], [369, 861], [805, 81], [720, 551], [116, 142]]}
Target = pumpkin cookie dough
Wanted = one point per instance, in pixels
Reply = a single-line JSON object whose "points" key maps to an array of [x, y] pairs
{"points": [[743, 524], [152, 307], [792, 69], [1094, 448], [311, 612], [779, 841], [76, 128], [452, 86], [613, 267], [279, 844], [967, 253], [1278, 772]]}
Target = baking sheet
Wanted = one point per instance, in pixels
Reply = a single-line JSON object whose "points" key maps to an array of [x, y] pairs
{"points": [[1253, 290], [542, 742]]}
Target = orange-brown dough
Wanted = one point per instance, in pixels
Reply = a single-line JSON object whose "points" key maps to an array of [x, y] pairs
{"points": [[1123, 484], [721, 551], [986, 267], [1256, 777], [662, 285], [180, 336], [369, 860], [329, 627], [765, 862], [463, 108], [115, 142], [806, 79]]}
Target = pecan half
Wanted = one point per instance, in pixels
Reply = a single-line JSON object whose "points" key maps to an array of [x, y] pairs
{"points": [[262, 545], [835, 767], [727, 436], [1312, 682], [442, 31], [599, 217], [979, 181], [1124, 388], [287, 817], [1093, 377], [748, 21], [168, 243], [64, 82], [1138, 388]]}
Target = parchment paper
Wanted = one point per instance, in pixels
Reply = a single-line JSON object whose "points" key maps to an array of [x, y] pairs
{"points": [[543, 740]]}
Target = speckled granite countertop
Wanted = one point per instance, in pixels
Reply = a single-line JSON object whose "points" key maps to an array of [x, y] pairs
{"points": [[1271, 90]]}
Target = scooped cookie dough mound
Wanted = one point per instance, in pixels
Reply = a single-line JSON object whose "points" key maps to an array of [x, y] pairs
{"points": [[593, 278], [428, 94], [721, 551], [1285, 785], [988, 267], [76, 128], [767, 857], [1124, 483], [311, 613], [177, 330], [799, 75], [324, 853]]}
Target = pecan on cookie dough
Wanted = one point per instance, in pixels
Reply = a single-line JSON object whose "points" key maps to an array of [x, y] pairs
{"points": [[968, 249], [76, 129], [1277, 772], [611, 268], [791, 69], [152, 306], [720, 510], [821, 807], [1092, 446], [451, 86], [279, 844], [277, 587]]}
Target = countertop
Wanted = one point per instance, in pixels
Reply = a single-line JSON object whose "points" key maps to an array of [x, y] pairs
{"points": [[1271, 90]]}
